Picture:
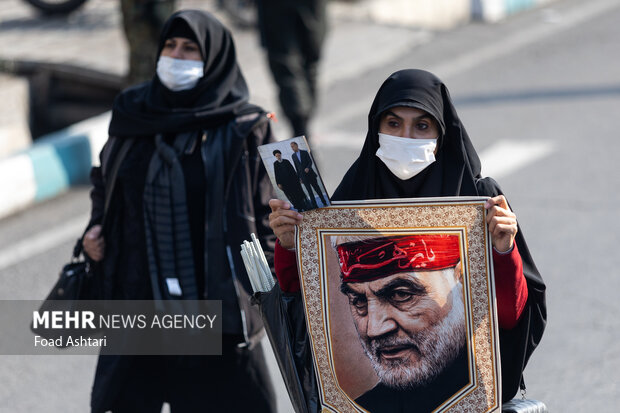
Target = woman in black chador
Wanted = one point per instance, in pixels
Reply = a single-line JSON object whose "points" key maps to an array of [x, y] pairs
{"points": [[189, 191], [416, 146]]}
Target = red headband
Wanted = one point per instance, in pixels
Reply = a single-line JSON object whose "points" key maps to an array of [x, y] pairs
{"points": [[375, 258]]}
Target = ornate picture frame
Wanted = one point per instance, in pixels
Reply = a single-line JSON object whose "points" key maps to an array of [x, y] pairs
{"points": [[346, 375]]}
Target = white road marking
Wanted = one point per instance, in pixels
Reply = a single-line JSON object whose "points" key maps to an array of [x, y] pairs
{"points": [[43, 241], [505, 157]]}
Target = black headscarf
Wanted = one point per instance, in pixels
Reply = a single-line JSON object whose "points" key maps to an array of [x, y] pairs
{"points": [[221, 94], [456, 172], [457, 165]]}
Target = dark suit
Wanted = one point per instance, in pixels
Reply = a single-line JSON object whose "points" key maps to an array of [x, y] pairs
{"points": [[287, 178], [308, 178]]}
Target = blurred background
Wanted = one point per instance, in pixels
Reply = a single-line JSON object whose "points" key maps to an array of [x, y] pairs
{"points": [[536, 82]]}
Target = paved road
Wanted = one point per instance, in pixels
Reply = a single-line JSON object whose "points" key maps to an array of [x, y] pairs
{"points": [[540, 96]]}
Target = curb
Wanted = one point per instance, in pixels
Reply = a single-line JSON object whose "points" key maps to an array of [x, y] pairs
{"points": [[52, 164]]}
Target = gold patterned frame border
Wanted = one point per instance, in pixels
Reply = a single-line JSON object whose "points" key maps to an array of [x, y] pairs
{"points": [[465, 216]]}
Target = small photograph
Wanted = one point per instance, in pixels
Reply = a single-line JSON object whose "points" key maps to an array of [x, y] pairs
{"points": [[294, 174]]}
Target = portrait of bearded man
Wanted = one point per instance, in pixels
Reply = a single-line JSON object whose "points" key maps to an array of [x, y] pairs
{"points": [[405, 296]]}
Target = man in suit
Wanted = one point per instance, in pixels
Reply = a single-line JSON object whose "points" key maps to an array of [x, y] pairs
{"points": [[288, 182], [307, 176]]}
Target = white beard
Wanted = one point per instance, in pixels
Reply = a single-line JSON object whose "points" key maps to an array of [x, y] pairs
{"points": [[438, 346]]}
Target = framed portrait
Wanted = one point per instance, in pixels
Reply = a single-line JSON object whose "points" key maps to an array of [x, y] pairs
{"points": [[400, 305], [294, 174]]}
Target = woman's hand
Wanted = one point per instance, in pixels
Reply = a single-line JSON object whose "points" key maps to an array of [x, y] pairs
{"points": [[502, 223], [93, 243], [282, 221]]}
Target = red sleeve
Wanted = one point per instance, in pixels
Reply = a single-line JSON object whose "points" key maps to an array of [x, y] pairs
{"points": [[510, 287], [285, 263]]}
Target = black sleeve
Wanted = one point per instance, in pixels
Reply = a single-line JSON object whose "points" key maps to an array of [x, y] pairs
{"points": [[98, 179], [518, 344]]}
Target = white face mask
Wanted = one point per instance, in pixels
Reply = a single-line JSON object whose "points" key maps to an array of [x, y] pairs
{"points": [[406, 157], [177, 74]]}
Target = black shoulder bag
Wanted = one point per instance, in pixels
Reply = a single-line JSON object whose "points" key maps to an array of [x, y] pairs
{"points": [[78, 281]]}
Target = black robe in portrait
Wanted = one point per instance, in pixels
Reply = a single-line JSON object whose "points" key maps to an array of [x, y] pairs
{"points": [[424, 399], [286, 176]]}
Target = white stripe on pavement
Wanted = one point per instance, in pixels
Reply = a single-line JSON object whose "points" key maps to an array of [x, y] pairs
{"points": [[505, 157], [43, 241]]}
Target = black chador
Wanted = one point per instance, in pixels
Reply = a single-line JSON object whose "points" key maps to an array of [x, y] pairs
{"points": [[423, 399], [456, 172], [288, 181]]}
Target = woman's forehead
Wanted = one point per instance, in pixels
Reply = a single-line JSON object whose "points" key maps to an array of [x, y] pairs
{"points": [[181, 40], [405, 112]]}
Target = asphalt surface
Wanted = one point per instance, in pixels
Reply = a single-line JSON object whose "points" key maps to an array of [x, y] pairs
{"points": [[545, 83]]}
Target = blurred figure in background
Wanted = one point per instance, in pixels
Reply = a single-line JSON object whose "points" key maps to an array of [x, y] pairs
{"points": [[190, 188], [242, 13], [293, 33]]}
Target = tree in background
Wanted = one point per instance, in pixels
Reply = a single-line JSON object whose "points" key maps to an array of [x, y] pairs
{"points": [[142, 22]]}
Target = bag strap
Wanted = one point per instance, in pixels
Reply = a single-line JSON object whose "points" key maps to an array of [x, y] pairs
{"points": [[110, 183]]}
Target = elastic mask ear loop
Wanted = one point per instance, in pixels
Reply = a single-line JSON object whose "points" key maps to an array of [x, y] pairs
{"points": [[439, 142]]}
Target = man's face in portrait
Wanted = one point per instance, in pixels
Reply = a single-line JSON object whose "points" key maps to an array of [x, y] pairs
{"points": [[294, 147], [411, 324], [278, 156]]}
